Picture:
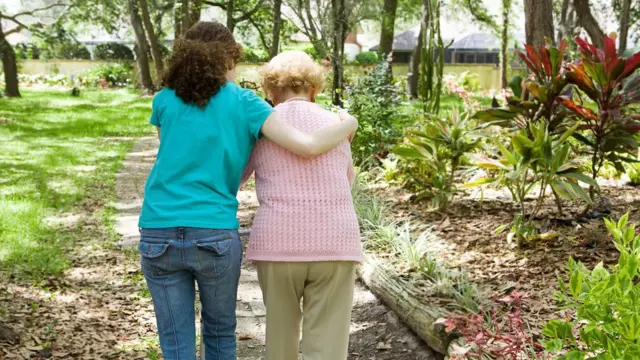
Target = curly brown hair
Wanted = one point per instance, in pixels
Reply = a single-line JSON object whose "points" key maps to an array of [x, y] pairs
{"points": [[200, 61]]}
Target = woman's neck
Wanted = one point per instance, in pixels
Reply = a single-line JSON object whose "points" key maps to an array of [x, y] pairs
{"points": [[292, 96]]}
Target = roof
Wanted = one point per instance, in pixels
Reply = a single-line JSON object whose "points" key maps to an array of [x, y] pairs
{"points": [[481, 41], [408, 40], [405, 41]]}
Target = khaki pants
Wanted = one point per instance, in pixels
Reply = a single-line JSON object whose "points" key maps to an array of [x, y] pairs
{"points": [[327, 292]]}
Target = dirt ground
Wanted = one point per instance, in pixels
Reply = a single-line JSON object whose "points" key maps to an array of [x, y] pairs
{"points": [[469, 242], [100, 308]]}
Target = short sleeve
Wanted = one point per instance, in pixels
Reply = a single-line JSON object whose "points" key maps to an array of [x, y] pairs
{"points": [[256, 111], [156, 110]]}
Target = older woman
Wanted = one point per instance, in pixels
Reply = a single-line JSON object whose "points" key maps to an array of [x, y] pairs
{"points": [[305, 237]]}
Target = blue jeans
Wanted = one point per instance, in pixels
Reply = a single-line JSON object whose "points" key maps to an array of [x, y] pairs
{"points": [[173, 259]]}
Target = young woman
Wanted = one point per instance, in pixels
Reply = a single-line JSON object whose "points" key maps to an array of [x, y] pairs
{"points": [[207, 127], [305, 237]]}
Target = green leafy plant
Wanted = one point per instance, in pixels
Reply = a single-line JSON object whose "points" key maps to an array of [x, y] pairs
{"points": [[605, 301], [367, 58], [543, 161], [376, 100], [115, 75], [634, 174], [608, 80], [67, 49], [441, 145], [253, 55], [112, 51]]}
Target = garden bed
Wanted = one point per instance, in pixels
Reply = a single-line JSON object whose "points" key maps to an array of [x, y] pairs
{"points": [[497, 267]]}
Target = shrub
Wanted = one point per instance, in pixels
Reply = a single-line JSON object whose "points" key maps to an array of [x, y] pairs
{"points": [[253, 55], [440, 146], [367, 58], [607, 313], [312, 52], [376, 99], [543, 160], [67, 50], [634, 174], [112, 51], [27, 51], [115, 75], [608, 80]]}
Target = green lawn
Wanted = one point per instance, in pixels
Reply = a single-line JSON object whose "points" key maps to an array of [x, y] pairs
{"points": [[56, 150]]}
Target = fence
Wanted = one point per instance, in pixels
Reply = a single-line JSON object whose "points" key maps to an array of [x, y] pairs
{"points": [[488, 75]]}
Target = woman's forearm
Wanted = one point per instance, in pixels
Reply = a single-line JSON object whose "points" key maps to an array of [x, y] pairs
{"points": [[308, 145]]}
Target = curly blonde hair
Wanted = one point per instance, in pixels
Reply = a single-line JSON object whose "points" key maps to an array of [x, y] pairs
{"points": [[292, 70]]}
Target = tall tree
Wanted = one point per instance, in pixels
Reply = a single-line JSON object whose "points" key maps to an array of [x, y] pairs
{"points": [[389, 10], [277, 22], [338, 14], [538, 15], [8, 55], [141, 48], [567, 24], [624, 25], [153, 39], [314, 19], [504, 43], [588, 22], [238, 11]]}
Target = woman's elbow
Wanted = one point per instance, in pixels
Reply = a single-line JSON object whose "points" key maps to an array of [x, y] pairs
{"points": [[309, 150]]}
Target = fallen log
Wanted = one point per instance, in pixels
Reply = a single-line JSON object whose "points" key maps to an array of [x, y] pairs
{"points": [[402, 297]]}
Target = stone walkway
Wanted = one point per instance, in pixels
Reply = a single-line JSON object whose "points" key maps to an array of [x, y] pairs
{"points": [[376, 332]]}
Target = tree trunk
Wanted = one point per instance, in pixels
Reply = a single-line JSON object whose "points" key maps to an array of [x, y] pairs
{"points": [[403, 297], [186, 15], [538, 21], [504, 58], [196, 11], [144, 74], [624, 25], [588, 22], [415, 65], [231, 21], [153, 39], [10, 67], [277, 21], [177, 23], [388, 26], [338, 13], [566, 25]]}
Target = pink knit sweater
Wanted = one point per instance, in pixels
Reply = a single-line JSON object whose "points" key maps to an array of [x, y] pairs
{"points": [[306, 210]]}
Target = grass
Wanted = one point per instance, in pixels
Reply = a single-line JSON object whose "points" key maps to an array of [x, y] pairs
{"points": [[382, 234], [56, 151]]}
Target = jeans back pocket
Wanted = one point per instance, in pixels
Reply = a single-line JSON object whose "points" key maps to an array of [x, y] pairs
{"points": [[214, 253], [154, 257]]}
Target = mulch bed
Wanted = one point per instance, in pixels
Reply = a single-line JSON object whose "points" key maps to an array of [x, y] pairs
{"points": [[498, 267]]}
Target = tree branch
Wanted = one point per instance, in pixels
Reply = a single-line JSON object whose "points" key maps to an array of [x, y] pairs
{"points": [[31, 12], [261, 35], [16, 29], [588, 22], [250, 13], [222, 6]]}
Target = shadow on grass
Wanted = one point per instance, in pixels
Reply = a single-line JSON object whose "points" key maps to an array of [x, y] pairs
{"points": [[55, 152]]}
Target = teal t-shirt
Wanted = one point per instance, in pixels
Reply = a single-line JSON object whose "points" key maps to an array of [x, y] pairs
{"points": [[202, 155]]}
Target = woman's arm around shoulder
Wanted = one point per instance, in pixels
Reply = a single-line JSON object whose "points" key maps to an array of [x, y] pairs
{"points": [[309, 145]]}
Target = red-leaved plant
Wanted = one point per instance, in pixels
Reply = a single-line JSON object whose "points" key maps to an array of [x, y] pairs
{"points": [[610, 81], [503, 337], [534, 99]]}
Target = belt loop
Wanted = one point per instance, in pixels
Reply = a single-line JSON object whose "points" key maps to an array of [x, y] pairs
{"points": [[181, 233]]}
